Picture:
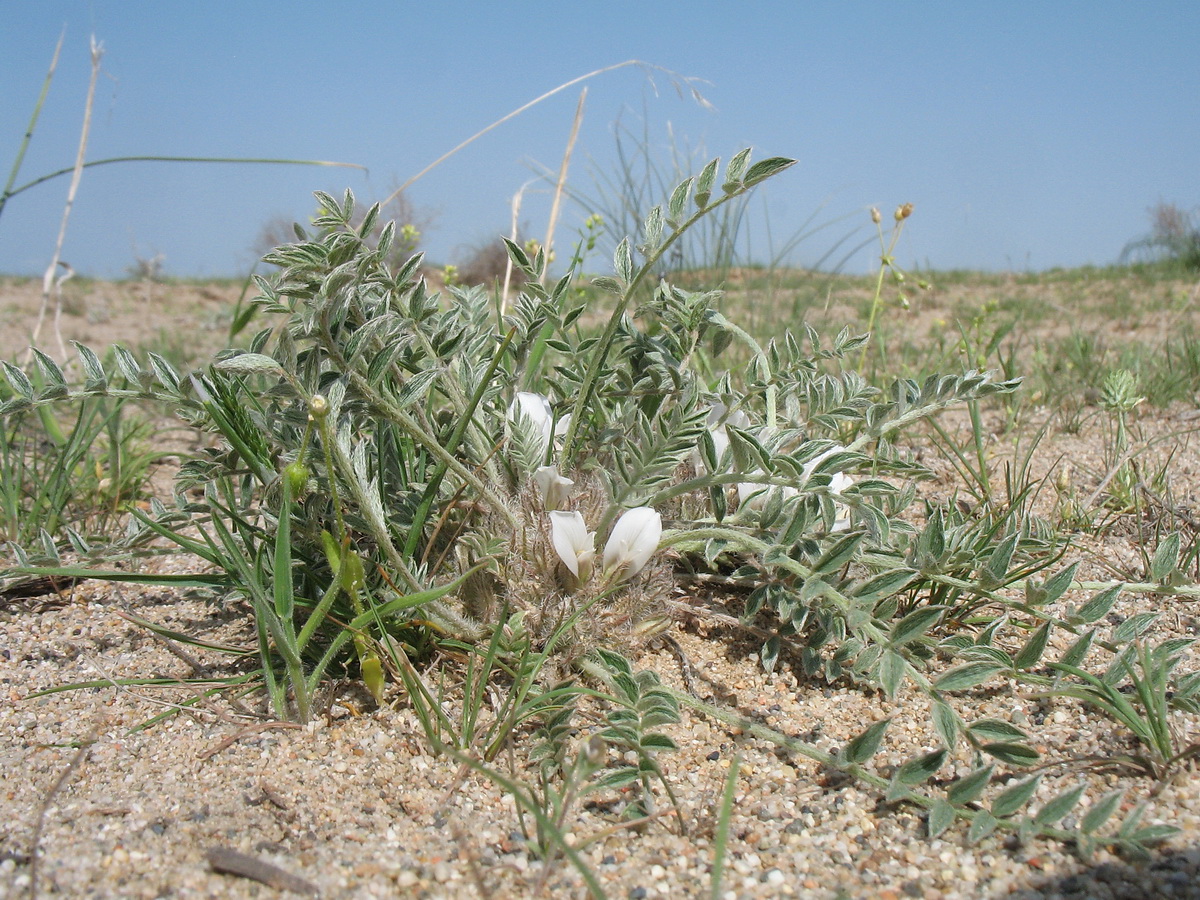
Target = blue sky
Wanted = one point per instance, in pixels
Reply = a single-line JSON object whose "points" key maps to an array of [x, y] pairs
{"points": [[1027, 134]]}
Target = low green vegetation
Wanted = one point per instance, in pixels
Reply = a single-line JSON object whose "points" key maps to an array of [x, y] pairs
{"points": [[479, 510]]}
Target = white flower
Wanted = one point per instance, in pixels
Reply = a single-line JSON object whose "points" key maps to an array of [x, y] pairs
{"points": [[555, 489], [573, 543], [754, 496], [633, 541]]}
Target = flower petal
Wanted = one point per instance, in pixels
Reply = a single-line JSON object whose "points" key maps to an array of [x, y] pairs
{"points": [[573, 543], [633, 541]]}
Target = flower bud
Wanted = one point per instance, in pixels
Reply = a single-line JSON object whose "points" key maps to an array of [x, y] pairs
{"points": [[573, 543], [296, 475], [554, 488], [875, 216], [318, 407], [1062, 481], [595, 751], [903, 212]]}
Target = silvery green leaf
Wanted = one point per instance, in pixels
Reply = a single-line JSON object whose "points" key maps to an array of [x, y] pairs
{"points": [[945, 722], [995, 730], [1078, 650], [989, 655], [1059, 806], [885, 584], [93, 370], [1029, 655], [1055, 586], [518, 255], [941, 817], [387, 235], [623, 261], [248, 364], [748, 453], [127, 364], [1133, 627], [955, 643], [967, 676], [982, 825], [49, 548], [769, 652], [971, 786], [863, 747], [56, 383], [416, 387], [704, 183], [996, 569], [652, 229], [368, 222], [410, 268], [19, 380], [735, 171], [838, 554], [677, 206], [1166, 558], [766, 168], [164, 371], [719, 501], [1099, 606], [608, 284], [78, 544], [921, 768], [931, 543], [915, 624], [1013, 754], [656, 741], [1153, 834], [1013, 798], [616, 780]]}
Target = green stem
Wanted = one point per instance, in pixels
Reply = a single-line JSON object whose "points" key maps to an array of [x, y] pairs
{"points": [[37, 112], [600, 354], [189, 159], [456, 436]]}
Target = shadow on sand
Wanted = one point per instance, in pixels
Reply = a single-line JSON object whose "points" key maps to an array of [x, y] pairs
{"points": [[1174, 875]]}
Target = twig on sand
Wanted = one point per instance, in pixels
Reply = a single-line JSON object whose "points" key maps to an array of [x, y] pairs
{"points": [[233, 862]]}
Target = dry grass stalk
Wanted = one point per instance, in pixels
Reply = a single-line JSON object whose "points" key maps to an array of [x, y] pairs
{"points": [[49, 284], [561, 184]]}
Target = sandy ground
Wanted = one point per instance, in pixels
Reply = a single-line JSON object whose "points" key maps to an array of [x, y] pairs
{"points": [[355, 805]]}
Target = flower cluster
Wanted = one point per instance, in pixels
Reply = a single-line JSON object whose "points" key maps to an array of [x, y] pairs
{"points": [[634, 537]]}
